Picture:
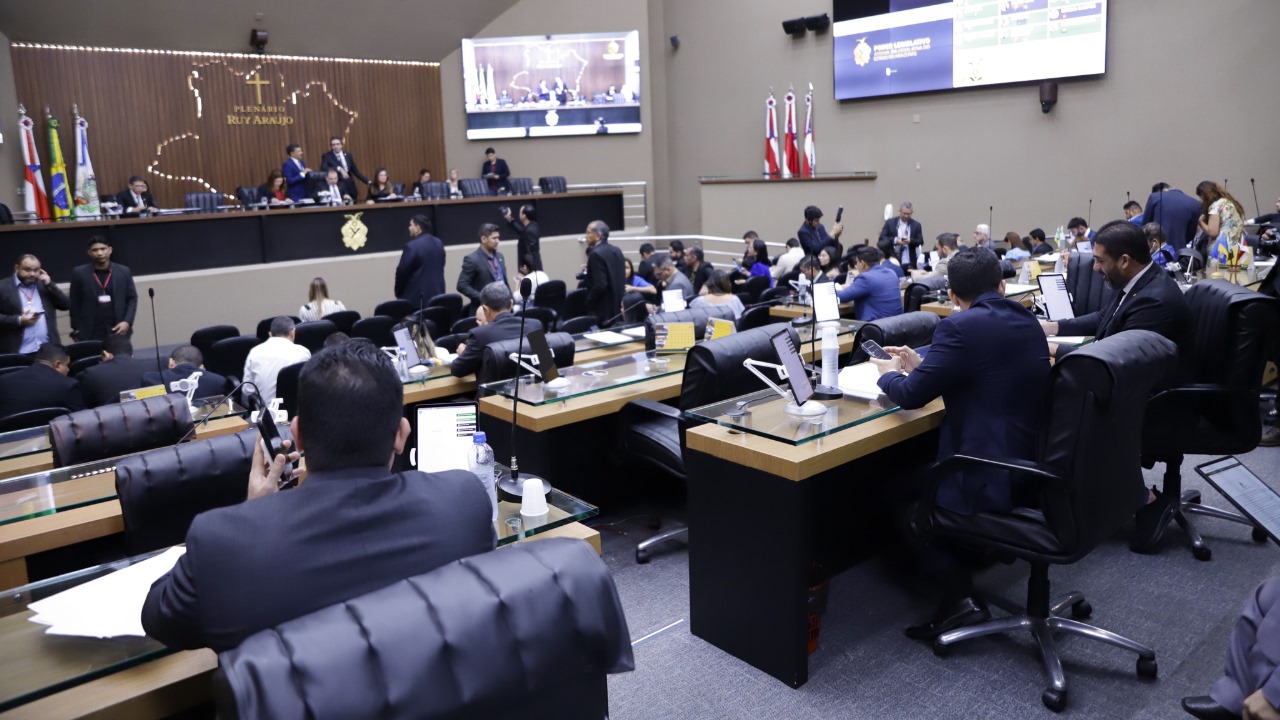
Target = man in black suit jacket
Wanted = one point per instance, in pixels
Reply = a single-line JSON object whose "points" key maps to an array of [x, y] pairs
{"points": [[44, 384], [340, 160], [496, 324], [495, 171], [813, 235], [351, 528], [136, 199], [528, 235], [118, 371], [606, 274], [482, 267], [184, 360], [1176, 211], [420, 274], [901, 236], [103, 297], [29, 305]]}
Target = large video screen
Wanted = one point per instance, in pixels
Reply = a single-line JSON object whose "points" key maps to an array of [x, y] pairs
{"points": [[586, 84], [890, 47]]}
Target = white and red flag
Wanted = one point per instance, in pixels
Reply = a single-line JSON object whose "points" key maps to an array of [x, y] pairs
{"points": [[809, 164], [771, 137], [790, 156], [34, 198]]}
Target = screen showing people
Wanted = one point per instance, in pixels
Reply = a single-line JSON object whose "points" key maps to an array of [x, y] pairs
{"points": [[545, 85], [888, 47]]}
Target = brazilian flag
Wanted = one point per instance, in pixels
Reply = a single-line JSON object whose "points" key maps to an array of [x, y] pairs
{"points": [[59, 195]]}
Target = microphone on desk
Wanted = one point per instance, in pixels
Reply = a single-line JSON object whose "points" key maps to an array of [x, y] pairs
{"points": [[625, 310], [205, 420], [514, 485], [155, 331]]}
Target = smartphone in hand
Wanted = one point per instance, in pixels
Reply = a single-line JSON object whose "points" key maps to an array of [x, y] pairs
{"points": [[873, 349], [839, 214]]}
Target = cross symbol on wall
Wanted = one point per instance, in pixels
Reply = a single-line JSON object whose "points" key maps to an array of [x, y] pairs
{"points": [[257, 84]]}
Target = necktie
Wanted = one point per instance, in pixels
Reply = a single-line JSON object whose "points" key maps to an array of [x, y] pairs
{"points": [[1106, 328], [137, 199], [342, 158]]}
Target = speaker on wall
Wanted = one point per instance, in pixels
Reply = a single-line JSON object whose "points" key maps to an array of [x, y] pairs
{"points": [[258, 39], [1048, 95], [818, 23], [675, 42], [794, 28]]}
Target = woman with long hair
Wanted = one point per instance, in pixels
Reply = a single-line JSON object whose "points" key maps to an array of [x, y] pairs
{"points": [[380, 188], [718, 290], [319, 303], [274, 190], [1219, 213]]}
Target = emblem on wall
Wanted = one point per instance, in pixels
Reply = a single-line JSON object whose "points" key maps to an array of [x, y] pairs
{"points": [[862, 52], [354, 232]]}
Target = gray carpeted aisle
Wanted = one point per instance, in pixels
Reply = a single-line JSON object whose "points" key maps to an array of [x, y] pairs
{"points": [[866, 668]]}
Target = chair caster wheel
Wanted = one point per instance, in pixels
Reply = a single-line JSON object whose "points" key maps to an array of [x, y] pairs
{"points": [[941, 650], [1147, 668], [1202, 553], [1259, 535], [642, 557], [1081, 610], [1055, 700]]}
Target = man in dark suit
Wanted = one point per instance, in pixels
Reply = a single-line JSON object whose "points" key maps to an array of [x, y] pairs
{"points": [[44, 384], [332, 191], [495, 171], [352, 527], [1249, 686], [528, 235], [420, 274], [645, 268], [118, 371], [29, 305], [103, 297], [901, 237], [1176, 212], [482, 267], [606, 273], [136, 199], [295, 172], [496, 323], [812, 235], [991, 369], [341, 160], [699, 269], [183, 361]]}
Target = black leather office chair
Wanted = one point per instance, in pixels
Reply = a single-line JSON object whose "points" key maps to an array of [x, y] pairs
{"points": [[910, 329], [579, 325], [553, 184], [30, 418], [162, 491], [464, 325], [520, 185], [451, 341], [1215, 410], [1191, 260], [1089, 290], [543, 627], [398, 188], [452, 302], [1007, 270], [697, 316], [119, 429], [1089, 482], [248, 196], [755, 287], [343, 319], [6, 215], [652, 433], [914, 296], [437, 190], [311, 335], [550, 294], [779, 290], [204, 338], [376, 328], [84, 349], [84, 363], [287, 387], [203, 201], [496, 362], [226, 357], [398, 309], [755, 317], [264, 325], [546, 316], [474, 187], [575, 304], [16, 360], [439, 317]]}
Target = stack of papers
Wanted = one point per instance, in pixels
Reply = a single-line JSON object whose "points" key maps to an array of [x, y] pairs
{"points": [[635, 332], [608, 337], [108, 607], [1015, 289], [860, 381]]}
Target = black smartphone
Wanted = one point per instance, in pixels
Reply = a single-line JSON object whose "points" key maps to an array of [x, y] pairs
{"points": [[273, 444], [873, 349], [839, 214]]}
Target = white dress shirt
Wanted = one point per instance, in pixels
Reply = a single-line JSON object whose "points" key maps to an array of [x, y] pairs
{"points": [[266, 360]]}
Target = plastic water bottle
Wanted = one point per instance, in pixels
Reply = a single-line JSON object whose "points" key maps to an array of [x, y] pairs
{"points": [[830, 357], [480, 462], [402, 364]]}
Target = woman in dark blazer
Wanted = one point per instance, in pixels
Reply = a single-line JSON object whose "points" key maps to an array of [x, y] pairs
{"points": [[380, 188]]}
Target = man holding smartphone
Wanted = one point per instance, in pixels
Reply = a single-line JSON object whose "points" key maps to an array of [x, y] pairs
{"points": [[28, 308]]}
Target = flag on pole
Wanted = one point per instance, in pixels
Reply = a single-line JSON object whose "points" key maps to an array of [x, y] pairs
{"points": [[59, 198], [86, 201], [771, 137], [34, 199], [809, 164], [791, 158]]}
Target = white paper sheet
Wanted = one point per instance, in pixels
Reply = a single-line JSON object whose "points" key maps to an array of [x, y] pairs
{"points": [[635, 332], [609, 337], [110, 606], [1068, 339], [860, 381], [1018, 289]]}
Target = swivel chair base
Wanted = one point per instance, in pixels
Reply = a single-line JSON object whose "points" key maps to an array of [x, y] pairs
{"points": [[642, 550], [1190, 504], [1043, 626]]}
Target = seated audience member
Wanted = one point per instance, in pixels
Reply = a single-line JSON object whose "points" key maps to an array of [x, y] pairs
{"points": [[495, 324], [699, 268], [718, 290], [136, 199], [424, 177], [788, 260], [646, 265], [748, 241], [274, 190], [455, 190], [183, 361], [875, 290], [756, 262], [319, 303], [635, 283], [1162, 253], [331, 192], [670, 279], [1079, 230], [536, 276], [1017, 249], [380, 188], [1040, 245], [675, 251], [118, 371], [1250, 685], [1133, 213], [990, 369], [811, 270], [893, 265], [336, 339], [947, 246], [265, 360], [982, 237], [829, 258], [351, 528], [42, 384]]}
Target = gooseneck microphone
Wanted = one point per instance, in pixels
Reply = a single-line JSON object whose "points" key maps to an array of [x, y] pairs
{"points": [[1090, 220], [155, 331], [514, 486], [1257, 210], [625, 310]]}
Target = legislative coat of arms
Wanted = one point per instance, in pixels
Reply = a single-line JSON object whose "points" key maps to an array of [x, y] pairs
{"points": [[862, 52], [354, 232]]}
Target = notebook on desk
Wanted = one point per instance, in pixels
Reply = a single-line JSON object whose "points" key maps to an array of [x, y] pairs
{"points": [[1254, 499]]}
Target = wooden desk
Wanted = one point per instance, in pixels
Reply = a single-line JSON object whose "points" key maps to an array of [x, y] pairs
{"points": [[790, 312], [762, 513]]}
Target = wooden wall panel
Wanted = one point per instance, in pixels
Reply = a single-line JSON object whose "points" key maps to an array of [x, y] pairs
{"points": [[164, 115]]}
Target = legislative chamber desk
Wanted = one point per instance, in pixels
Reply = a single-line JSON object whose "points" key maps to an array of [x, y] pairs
{"points": [[200, 241], [50, 676], [774, 501]]}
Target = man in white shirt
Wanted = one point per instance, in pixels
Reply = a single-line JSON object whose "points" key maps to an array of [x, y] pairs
{"points": [[788, 260], [266, 360]]}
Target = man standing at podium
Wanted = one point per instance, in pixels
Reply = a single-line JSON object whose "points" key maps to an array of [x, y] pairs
{"points": [[103, 297], [495, 171]]}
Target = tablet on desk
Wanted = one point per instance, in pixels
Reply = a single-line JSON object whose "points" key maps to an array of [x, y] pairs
{"points": [[1057, 301], [443, 436], [801, 388]]}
